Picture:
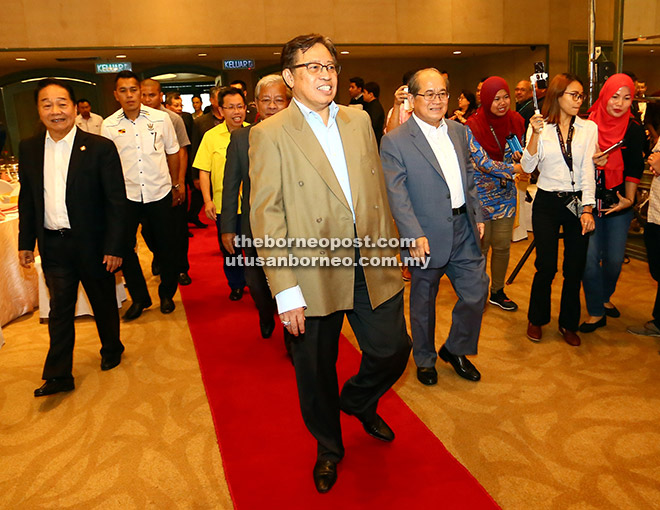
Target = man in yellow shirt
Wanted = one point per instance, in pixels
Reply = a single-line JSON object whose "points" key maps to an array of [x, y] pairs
{"points": [[210, 160]]}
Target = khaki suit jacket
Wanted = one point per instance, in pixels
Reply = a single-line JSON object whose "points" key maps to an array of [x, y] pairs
{"points": [[296, 195]]}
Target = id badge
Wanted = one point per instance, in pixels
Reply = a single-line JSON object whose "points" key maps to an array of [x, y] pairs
{"points": [[575, 206]]}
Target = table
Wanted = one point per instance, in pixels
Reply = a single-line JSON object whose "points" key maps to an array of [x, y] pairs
{"points": [[18, 286]]}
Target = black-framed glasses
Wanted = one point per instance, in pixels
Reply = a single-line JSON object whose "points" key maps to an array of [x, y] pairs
{"points": [[429, 95], [576, 96], [316, 67]]}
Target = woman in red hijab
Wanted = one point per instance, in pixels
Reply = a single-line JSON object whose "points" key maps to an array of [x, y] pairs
{"points": [[617, 176], [493, 122]]}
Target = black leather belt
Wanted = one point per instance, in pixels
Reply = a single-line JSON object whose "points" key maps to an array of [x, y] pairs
{"points": [[462, 209], [63, 232]]}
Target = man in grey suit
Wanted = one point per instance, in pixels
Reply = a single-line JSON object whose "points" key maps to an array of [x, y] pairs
{"points": [[272, 96], [430, 185]]}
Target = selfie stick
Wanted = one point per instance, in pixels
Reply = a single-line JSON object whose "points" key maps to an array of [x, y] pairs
{"points": [[534, 78]]}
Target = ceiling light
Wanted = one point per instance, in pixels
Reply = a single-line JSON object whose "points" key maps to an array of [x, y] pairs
{"points": [[276, 53], [344, 52], [202, 54], [166, 76], [652, 51], [120, 56], [21, 59], [457, 52]]}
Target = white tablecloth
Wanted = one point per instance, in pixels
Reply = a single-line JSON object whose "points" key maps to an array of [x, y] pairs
{"points": [[82, 304], [18, 286]]}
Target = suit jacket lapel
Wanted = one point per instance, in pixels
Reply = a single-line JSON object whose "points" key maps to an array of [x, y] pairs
{"points": [[352, 154], [303, 136], [77, 153], [422, 144]]}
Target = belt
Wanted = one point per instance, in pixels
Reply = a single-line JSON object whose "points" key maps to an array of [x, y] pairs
{"points": [[562, 194], [63, 232], [462, 209]]}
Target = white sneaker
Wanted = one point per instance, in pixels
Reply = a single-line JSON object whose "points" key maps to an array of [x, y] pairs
{"points": [[648, 329]]}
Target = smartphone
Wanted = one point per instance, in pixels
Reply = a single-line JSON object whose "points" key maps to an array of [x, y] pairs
{"points": [[610, 149], [539, 68], [406, 103]]}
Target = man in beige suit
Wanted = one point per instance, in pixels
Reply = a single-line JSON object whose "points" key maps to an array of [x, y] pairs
{"points": [[316, 176]]}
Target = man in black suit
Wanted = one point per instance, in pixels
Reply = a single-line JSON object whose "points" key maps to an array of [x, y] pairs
{"points": [[73, 201], [372, 106], [272, 96]]}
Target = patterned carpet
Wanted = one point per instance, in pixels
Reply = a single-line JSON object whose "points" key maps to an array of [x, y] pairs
{"points": [[549, 426]]}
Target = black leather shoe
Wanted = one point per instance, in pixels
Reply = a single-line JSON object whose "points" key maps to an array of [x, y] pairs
{"points": [[166, 305], [198, 223], [110, 361], [236, 294], [52, 386], [379, 429], [587, 327], [135, 310], [267, 327], [612, 312], [461, 364], [184, 279], [427, 375], [325, 475]]}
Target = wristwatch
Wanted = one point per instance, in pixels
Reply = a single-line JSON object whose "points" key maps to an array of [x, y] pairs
{"points": [[176, 187]]}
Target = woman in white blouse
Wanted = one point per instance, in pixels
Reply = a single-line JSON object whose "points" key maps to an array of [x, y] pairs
{"points": [[562, 145]]}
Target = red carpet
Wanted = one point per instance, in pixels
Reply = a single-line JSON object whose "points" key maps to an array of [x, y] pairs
{"points": [[267, 452]]}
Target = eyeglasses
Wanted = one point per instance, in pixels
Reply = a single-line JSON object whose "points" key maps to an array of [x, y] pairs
{"points": [[277, 100], [238, 107], [430, 95], [577, 97], [315, 67]]}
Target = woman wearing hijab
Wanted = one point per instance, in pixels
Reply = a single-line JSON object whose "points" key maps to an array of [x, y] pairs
{"points": [[561, 145], [493, 122], [618, 174]]}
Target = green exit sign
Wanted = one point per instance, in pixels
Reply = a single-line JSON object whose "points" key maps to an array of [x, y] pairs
{"points": [[113, 67]]}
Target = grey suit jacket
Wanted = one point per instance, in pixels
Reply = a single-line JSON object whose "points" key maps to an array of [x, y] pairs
{"points": [[418, 192], [237, 168]]}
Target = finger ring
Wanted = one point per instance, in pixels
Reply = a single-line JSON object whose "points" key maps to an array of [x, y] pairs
{"points": [[286, 324]]}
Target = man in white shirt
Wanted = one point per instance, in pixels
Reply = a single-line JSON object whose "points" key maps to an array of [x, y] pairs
{"points": [[430, 184], [152, 96], [315, 174], [149, 153], [73, 202], [86, 119]]}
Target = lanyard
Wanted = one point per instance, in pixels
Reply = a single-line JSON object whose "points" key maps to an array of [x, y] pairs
{"points": [[566, 149], [499, 145]]}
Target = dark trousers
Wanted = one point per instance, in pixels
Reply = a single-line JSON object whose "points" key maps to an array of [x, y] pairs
{"points": [[179, 234], [160, 218], [259, 289], [549, 214], [196, 204], [466, 270], [385, 346], [63, 272], [233, 269], [652, 239]]}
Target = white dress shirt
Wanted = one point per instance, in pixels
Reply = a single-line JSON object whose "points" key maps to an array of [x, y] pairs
{"points": [[330, 140], [654, 196], [91, 125], [445, 153], [554, 174], [142, 145], [56, 169]]}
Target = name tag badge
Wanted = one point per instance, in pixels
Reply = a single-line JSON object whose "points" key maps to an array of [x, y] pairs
{"points": [[121, 131]]}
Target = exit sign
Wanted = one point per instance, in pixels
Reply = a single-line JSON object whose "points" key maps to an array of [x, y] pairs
{"points": [[238, 64], [113, 67]]}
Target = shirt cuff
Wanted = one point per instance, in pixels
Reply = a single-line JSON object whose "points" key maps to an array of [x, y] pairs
{"points": [[290, 299]]}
